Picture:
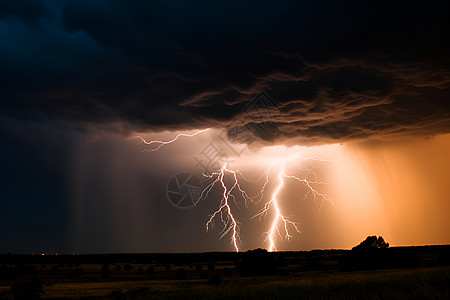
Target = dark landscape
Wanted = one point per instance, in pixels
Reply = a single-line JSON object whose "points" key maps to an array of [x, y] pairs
{"points": [[420, 272]]}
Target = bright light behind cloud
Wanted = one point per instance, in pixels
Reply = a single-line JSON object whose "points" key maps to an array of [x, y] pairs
{"points": [[394, 190], [359, 205], [270, 160]]}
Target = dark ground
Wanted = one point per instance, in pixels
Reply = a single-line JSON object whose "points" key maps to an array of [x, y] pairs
{"points": [[398, 272]]}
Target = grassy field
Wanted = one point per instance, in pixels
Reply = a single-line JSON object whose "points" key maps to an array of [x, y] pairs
{"points": [[423, 283], [393, 284], [424, 273]]}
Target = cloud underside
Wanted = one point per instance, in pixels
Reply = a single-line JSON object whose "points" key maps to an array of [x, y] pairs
{"points": [[336, 73]]}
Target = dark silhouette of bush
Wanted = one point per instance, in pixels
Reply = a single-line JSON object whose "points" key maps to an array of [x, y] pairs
{"points": [[168, 268], [105, 268], [374, 254], [140, 270], [372, 242], [127, 267], [257, 262], [211, 267], [199, 267], [30, 290], [105, 271], [150, 271], [181, 274]]}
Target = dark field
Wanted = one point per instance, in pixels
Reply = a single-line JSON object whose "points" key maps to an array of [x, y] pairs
{"points": [[393, 273]]}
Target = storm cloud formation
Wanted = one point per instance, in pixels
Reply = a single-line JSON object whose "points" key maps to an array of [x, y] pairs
{"points": [[339, 71]]}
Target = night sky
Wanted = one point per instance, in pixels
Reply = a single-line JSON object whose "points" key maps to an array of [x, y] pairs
{"points": [[364, 86]]}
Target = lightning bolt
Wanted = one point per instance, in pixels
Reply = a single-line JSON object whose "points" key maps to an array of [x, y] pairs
{"points": [[224, 212], [281, 223], [230, 224], [163, 143], [226, 216]]}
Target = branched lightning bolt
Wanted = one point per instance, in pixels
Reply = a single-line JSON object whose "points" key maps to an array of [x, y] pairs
{"points": [[279, 217], [229, 222], [280, 220], [258, 197], [225, 211], [163, 143], [280, 224]]}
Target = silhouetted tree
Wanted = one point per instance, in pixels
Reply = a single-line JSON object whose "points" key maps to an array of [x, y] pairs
{"points": [[105, 268], [127, 267], [256, 263], [372, 242], [372, 254]]}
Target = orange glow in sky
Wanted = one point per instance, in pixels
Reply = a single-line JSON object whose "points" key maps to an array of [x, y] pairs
{"points": [[399, 190]]}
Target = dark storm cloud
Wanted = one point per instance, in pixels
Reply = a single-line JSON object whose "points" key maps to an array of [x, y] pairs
{"points": [[340, 71], [29, 11]]}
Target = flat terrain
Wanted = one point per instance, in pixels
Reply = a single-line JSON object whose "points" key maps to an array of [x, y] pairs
{"points": [[398, 273]]}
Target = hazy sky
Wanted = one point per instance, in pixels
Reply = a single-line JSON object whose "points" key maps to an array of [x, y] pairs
{"points": [[361, 98]]}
